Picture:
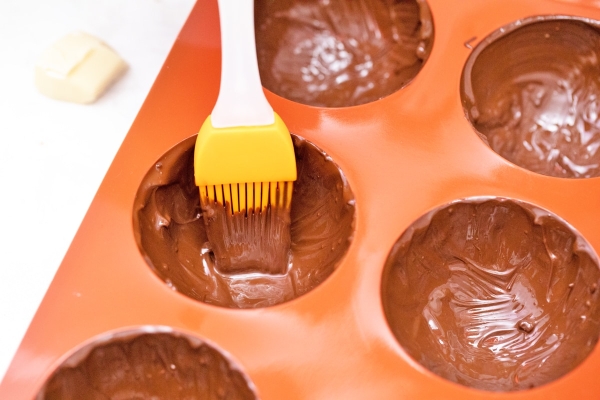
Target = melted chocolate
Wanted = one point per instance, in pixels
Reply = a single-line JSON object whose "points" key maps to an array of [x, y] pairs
{"points": [[496, 295], [150, 366], [534, 92], [171, 233], [253, 241], [337, 53]]}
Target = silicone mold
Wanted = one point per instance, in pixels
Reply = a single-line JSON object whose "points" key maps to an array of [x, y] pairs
{"points": [[403, 155]]}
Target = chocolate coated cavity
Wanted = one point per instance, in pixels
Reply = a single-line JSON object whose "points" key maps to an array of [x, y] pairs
{"points": [[532, 89], [172, 235], [337, 53], [149, 366], [494, 294]]}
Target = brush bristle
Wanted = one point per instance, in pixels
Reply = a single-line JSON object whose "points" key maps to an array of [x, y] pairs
{"points": [[248, 225], [249, 198]]}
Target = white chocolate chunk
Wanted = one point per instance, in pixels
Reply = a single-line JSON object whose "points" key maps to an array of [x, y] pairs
{"points": [[77, 68]]}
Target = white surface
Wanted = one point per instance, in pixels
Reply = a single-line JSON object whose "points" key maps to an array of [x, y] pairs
{"points": [[54, 154]]}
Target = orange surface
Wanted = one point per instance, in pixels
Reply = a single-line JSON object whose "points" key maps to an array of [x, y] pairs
{"points": [[402, 155]]}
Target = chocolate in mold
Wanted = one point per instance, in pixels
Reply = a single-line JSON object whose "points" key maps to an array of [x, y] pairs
{"points": [[148, 366], [532, 90], [337, 53], [172, 236], [493, 294], [248, 242]]}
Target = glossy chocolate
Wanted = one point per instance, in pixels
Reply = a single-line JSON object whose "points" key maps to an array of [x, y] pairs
{"points": [[150, 366], [171, 233], [493, 294], [337, 53], [532, 89], [248, 241]]}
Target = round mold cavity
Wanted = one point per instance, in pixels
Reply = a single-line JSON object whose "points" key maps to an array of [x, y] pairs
{"points": [[494, 294], [171, 232], [147, 363], [531, 89], [335, 53]]}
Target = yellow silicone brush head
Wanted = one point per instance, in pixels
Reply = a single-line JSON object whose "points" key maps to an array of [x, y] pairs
{"points": [[248, 198], [244, 154], [245, 176]]}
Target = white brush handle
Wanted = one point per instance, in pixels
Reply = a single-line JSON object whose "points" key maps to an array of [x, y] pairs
{"points": [[241, 100]]}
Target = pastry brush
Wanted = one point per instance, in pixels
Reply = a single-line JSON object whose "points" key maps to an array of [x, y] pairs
{"points": [[244, 163]]}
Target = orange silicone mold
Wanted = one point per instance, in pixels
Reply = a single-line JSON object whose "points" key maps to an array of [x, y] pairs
{"points": [[403, 155]]}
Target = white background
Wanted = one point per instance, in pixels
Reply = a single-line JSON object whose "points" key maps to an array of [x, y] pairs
{"points": [[53, 155]]}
